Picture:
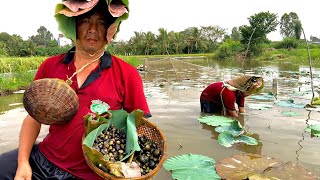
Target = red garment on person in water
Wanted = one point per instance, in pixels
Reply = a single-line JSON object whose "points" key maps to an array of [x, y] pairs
{"points": [[212, 94]]}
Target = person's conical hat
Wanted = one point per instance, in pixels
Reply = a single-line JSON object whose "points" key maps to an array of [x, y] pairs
{"points": [[245, 84], [66, 11]]}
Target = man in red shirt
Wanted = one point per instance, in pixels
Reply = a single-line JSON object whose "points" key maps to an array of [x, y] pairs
{"points": [[94, 75], [221, 97]]}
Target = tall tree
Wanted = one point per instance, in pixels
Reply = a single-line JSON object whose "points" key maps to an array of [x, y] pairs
{"points": [[290, 25], [213, 33], [164, 40], [254, 35], [235, 34], [178, 41], [43, 38]]}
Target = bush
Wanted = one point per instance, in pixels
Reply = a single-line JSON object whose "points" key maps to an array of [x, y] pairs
{"points": [[228, 49], [287, 43]]}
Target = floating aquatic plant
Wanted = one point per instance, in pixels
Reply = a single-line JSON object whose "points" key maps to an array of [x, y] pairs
{"points": [[255, 166], [216, 120], [234, 128], [226, 139], [268, 96], [257, 106], [289, 103], [314, 130], [290, 113], [191, 166]]}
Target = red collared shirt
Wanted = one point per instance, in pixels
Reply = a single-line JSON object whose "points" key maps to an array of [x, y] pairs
{"points": [[114, 82]]}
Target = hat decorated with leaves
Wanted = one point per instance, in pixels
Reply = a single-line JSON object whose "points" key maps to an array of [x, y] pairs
{"points": [[248, 84], [67, 10]]}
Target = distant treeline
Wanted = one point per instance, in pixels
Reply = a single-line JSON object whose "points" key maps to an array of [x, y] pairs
{"points": [[246, 40]]}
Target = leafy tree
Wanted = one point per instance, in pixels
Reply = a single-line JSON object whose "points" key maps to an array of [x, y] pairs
{"points": [[43, 38], [149, 42], [235, 34], [213, 33], [3, 51], [290, 25], [163, 40], [254, 35], [178, 41]]}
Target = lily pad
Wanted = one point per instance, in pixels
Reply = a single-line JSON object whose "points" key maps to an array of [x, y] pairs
{"points": [[263, 97], [226, 139], [260, 106], [191, 167], [289, 103], [290, 113], [216, 120], [234, 128], [314, 130], [255, 166]]}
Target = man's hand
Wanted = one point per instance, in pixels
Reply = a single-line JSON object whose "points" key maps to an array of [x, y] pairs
{"points": [[242, 110], [23, 172]]}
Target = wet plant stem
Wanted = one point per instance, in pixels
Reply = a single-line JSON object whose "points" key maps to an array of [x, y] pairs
{"points": [[310, 65]]}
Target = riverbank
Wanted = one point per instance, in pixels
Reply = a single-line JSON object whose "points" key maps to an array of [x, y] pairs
{"points": [[17, 73]]}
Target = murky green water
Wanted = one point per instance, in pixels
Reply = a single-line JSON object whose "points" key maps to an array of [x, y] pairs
{"points": [[173, 89]]}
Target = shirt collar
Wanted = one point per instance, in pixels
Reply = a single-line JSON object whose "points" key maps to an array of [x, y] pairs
{"points": [[105, 60]]}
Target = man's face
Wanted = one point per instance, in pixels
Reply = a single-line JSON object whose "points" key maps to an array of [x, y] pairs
{"points": [[91, 32]]}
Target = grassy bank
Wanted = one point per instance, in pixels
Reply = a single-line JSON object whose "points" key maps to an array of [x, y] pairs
{"points": [[17, 73]]}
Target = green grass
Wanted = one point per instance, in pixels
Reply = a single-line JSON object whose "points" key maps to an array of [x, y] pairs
{"points": [[17, 73], [296, 56]]}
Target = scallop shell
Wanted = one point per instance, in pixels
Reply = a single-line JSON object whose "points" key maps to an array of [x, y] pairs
{"points": [[51, 101]]}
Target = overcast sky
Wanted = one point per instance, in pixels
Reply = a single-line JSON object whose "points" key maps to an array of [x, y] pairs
{"points": [[25, 17]]}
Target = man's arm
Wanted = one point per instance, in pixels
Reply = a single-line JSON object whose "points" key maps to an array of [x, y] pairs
{"points": [[28, 134]]}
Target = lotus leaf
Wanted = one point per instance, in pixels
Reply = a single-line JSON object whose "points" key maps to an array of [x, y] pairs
{"points": [[234, 128], [255, 166], [226, 139], [260, 106], [216, 120], [263, 97], [191, 167], [92, 121], [289, 103], [314, 130], [290, 113]]}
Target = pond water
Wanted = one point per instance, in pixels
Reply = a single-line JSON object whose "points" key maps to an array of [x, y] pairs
{"points": [[173, 87]]}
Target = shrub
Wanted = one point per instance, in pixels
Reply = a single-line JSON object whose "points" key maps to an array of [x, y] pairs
{"points": [[287, 43], [228, 49]]}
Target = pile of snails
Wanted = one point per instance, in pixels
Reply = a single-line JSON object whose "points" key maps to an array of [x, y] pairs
{"points": [[112, 145]]}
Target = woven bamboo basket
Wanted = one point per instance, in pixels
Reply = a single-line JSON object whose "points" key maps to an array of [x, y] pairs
{"points": [[152, 132], [50, 101]]}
